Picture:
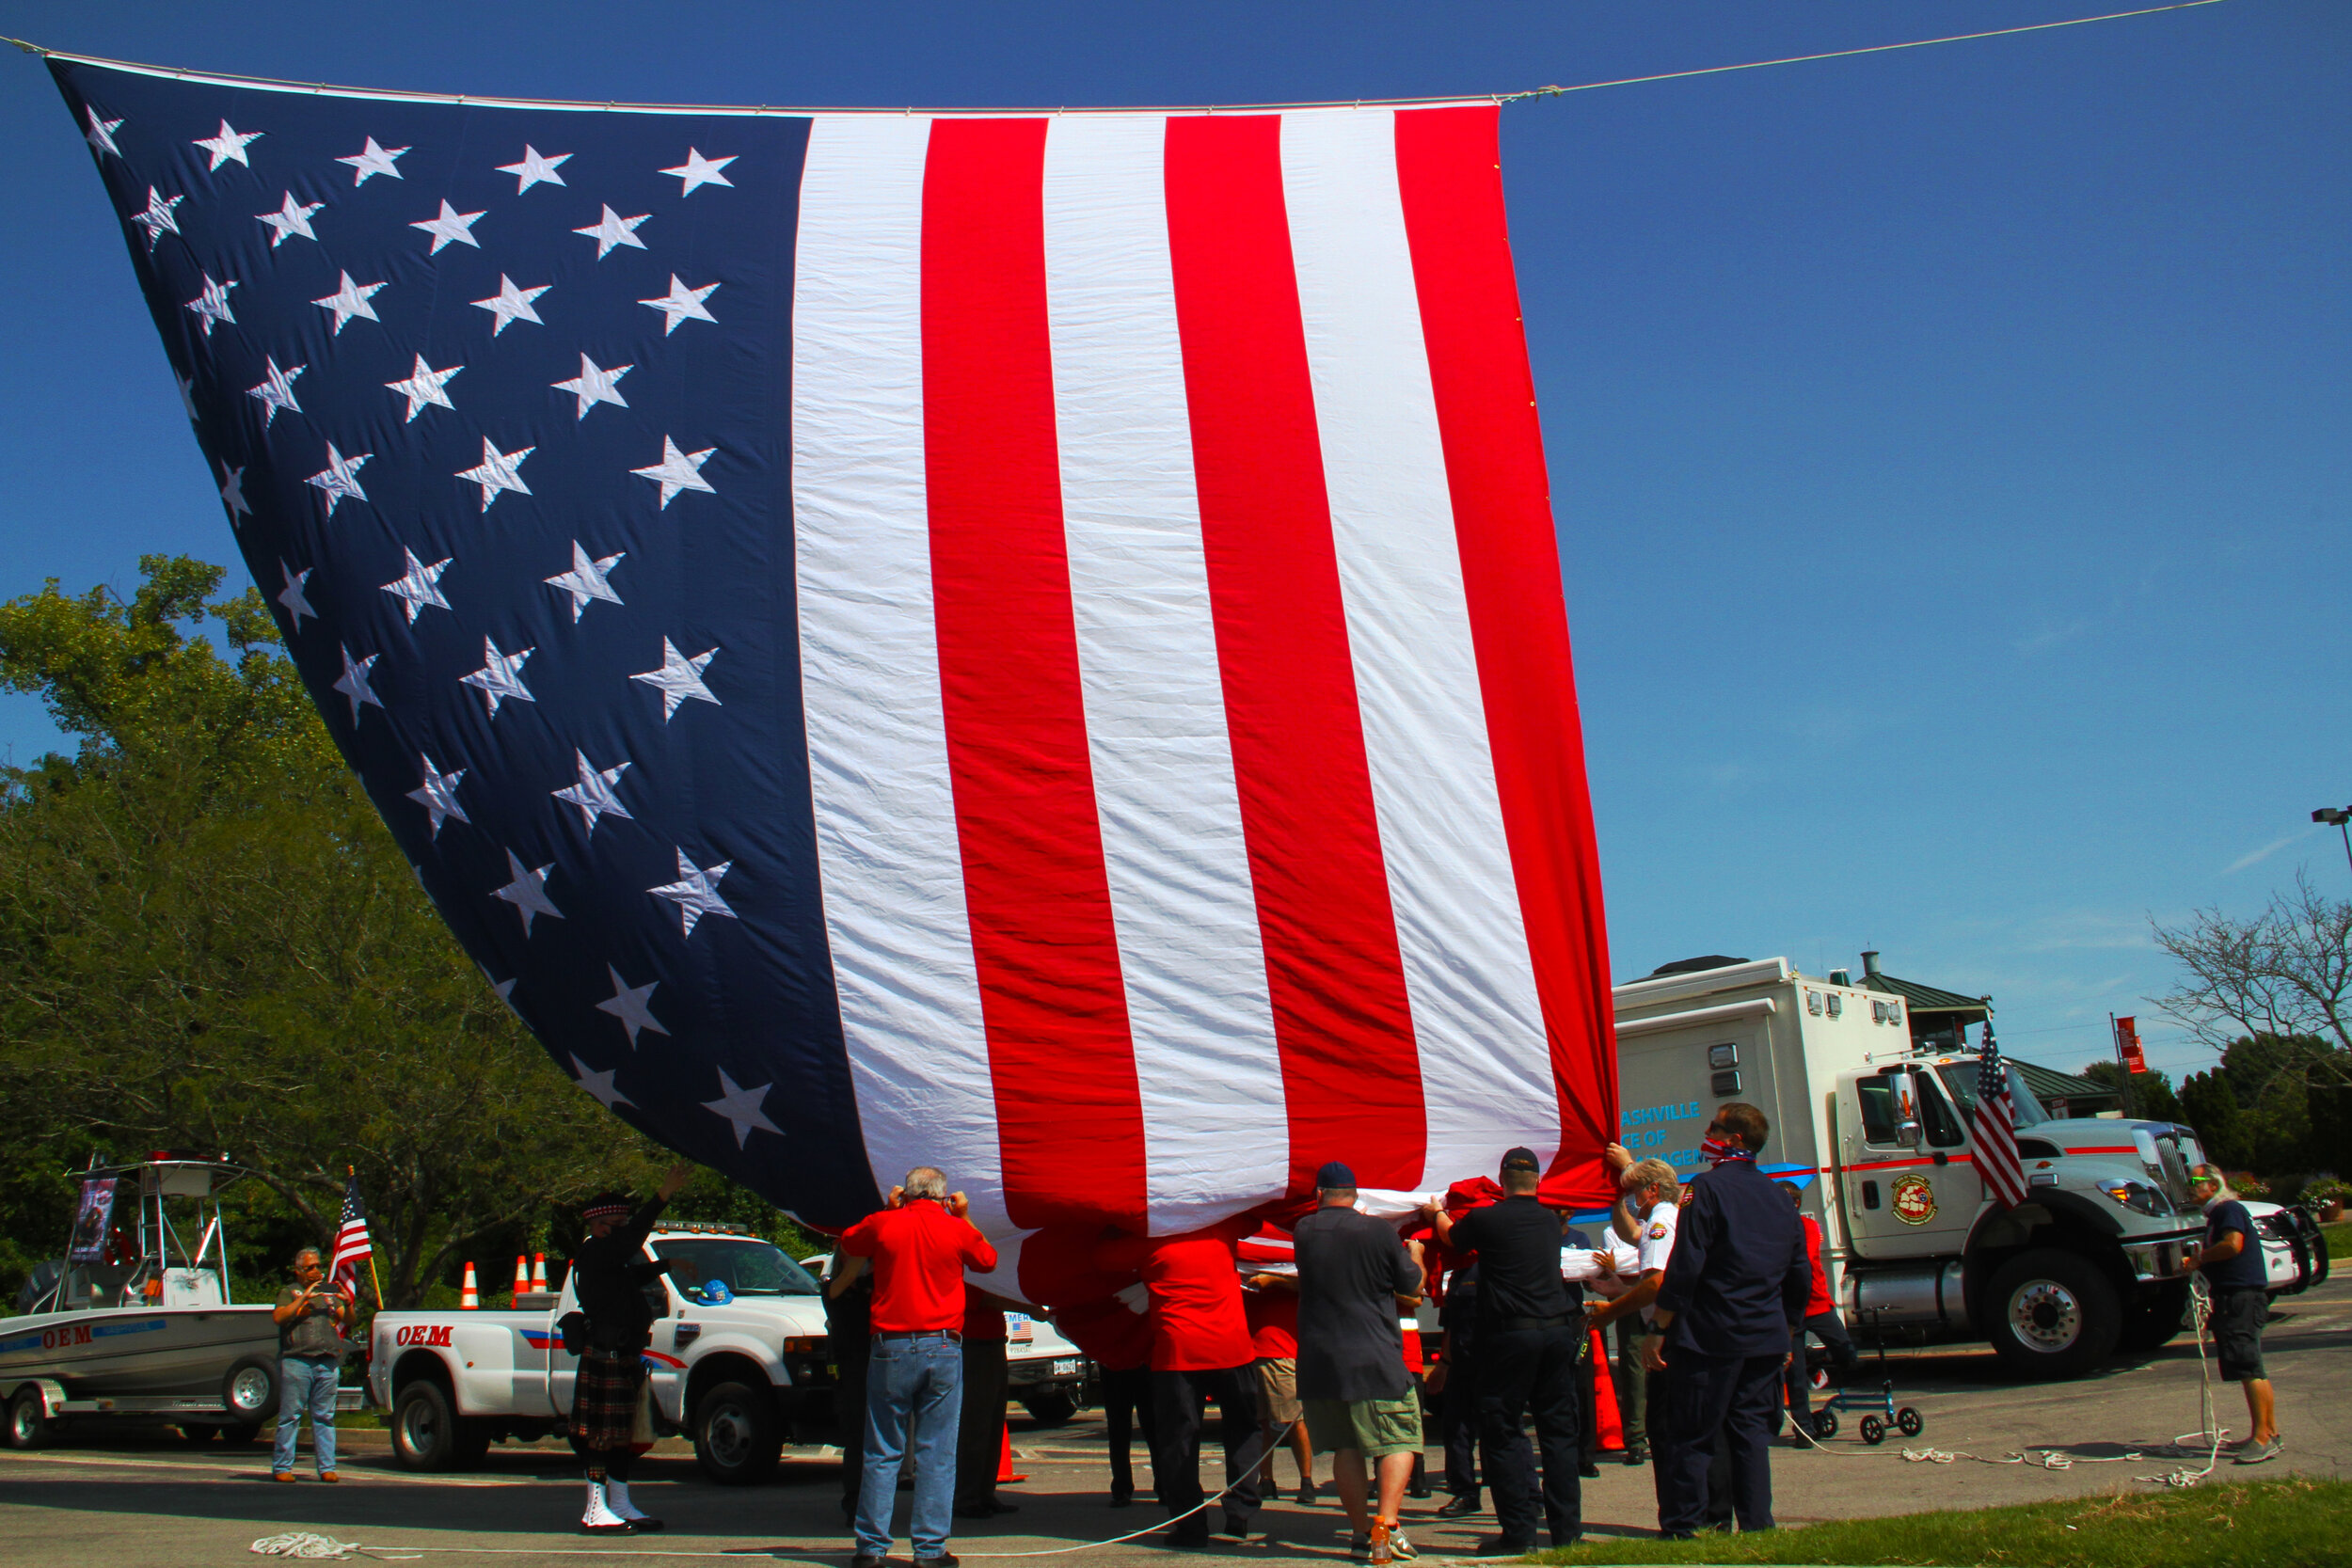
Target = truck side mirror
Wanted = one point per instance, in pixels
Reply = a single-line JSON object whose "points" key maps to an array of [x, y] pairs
{"points": [[1906, 1094]]}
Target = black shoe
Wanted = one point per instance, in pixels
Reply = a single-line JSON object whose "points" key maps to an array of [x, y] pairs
{"points": [[945, 1560], [645, 1522], [1503, 1547], [1123, 1495], [1190, 1536], [1459, 1508], [1235, 1525], [863, 1560], [1423, 1490], [1637, 1457], [1306, 1497]]}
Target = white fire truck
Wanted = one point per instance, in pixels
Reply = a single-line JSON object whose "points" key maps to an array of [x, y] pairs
{"points": [[1877, 1134]]}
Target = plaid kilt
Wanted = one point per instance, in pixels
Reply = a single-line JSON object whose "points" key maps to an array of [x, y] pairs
{"points": [[604, 1398]]}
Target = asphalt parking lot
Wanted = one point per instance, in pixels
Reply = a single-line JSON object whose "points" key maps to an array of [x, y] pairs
{"points": [[131, 1500]]}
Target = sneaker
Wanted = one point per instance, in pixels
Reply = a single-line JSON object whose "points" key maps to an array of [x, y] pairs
{"points": [[1359, 1548], [2262, 1453], [1380, 1547], [1400, 1549], [1306, 1494]]}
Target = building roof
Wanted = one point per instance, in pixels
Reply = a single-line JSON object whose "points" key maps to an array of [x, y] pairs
{"points": [[1926, 999], [2047, 1084]]}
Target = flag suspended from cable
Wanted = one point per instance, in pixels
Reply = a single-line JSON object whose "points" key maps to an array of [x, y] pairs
{"points": [[352, 1246], [1996, 1126], [1027, 643]]}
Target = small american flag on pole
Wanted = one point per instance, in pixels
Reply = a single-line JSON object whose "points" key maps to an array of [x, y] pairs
{"points": [[352, 1247], [1996, 1127]]}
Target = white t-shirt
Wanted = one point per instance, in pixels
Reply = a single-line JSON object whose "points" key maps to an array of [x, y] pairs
{"points": [[1657, 1243]]}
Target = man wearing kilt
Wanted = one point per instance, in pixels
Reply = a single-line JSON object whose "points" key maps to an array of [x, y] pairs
{"points": [[610, 1273]]}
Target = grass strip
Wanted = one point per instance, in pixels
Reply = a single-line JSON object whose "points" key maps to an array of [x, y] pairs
{"points": [[2339, 1237], [2290, 1523]]}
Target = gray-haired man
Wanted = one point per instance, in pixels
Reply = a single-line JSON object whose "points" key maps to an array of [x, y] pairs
{"points": [[309, 1364], [2232, 1260]]}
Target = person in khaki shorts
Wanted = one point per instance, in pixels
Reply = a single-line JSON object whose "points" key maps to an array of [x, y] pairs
{"points": [[1271, 1304], [1353, 1275]]}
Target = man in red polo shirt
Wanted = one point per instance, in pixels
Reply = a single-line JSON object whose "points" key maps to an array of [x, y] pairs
{"points": [[1199, 1349], [921, 1244]]}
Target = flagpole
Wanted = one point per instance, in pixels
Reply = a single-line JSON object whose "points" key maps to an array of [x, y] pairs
{"points": [[354, 1173]]}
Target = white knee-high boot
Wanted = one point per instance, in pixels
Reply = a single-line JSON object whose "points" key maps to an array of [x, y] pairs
{"points": [[616, 1498], [600, 1516]]}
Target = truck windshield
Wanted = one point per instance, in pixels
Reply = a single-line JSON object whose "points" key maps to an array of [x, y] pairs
{"points": [[1962, 1082], [746, 1265]]}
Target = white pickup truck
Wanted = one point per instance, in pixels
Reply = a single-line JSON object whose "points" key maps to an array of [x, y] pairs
{"points": [[738, 1362]]}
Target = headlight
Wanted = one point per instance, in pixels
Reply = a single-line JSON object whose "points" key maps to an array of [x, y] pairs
{"points": [[2136, 1196]]}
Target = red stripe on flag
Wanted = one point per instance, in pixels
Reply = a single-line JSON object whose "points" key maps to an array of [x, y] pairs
{"points": [[1450, 182], [1351, 1073], [1069, 1119]]}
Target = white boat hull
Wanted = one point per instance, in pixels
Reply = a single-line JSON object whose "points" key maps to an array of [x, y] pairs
{"points": [[135, 1351]]}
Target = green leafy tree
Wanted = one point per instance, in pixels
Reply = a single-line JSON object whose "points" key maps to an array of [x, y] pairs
{"points": [[2210, 1105], [209, 942], [2150, 1097]]}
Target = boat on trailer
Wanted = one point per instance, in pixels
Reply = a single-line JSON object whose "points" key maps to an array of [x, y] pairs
{"points": [[136, 1320]]}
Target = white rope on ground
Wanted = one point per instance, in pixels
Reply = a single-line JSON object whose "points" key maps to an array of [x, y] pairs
{"points": [[2201, 1311], [306, 1543]]}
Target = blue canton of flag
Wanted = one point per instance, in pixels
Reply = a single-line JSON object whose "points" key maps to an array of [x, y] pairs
{"points": [[492, 398]]}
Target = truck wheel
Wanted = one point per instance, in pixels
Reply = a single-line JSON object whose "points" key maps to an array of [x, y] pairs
{"points": [[2152, 1319], [30, 1426], [250, 1391], [1049, 1410], [428, 1434], [737, 1440], [2053, 1314]]}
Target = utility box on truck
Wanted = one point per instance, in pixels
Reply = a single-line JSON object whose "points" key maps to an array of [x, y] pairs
{"points": [[1879, 1135]]}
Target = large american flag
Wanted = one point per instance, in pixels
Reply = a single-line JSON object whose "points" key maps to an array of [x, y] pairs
{"points": [[1996, 1126], [1026, 642], [352, 1246]]}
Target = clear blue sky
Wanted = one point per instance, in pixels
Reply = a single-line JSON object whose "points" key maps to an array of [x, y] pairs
{"points": [[1950, 447]]}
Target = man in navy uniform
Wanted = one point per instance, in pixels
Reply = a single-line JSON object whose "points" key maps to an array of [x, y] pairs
{"points": [[1729, 1306]]}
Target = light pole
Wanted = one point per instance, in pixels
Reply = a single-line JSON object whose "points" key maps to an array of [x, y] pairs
{"points": [[2337, 818]]}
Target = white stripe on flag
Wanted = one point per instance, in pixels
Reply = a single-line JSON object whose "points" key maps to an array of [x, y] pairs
{"points": [[886, 840], [1207, 1065], [1476, 1020]]}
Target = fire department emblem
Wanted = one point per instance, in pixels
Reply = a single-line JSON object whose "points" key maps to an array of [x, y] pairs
{"points": [[1915, 1199]]}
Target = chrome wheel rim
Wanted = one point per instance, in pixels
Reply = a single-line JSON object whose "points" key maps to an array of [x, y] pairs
{"points": [[249, 1390], [2045, 1315]]}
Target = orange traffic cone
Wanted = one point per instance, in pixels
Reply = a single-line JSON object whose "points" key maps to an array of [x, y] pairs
{"points": [[522, 1273], [470, 1294], [1004, 1457], [1605, 1413], [539, 1271]]}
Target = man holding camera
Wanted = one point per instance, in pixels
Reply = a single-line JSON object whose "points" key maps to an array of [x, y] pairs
{"points": [[311, 1315]]}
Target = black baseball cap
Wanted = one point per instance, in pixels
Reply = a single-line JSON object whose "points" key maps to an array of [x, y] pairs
{"points": [[1521, 1159], [1335, 1177]]}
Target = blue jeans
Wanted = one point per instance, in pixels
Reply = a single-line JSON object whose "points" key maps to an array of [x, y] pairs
{"points": [[305, 1384], [914, 1400]]}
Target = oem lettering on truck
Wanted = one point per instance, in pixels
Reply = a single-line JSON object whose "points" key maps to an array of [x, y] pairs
{"points": [[1871, 1092]]}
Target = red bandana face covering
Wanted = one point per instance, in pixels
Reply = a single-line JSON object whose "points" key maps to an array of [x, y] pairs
{"points": [[1717, 1152]]}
